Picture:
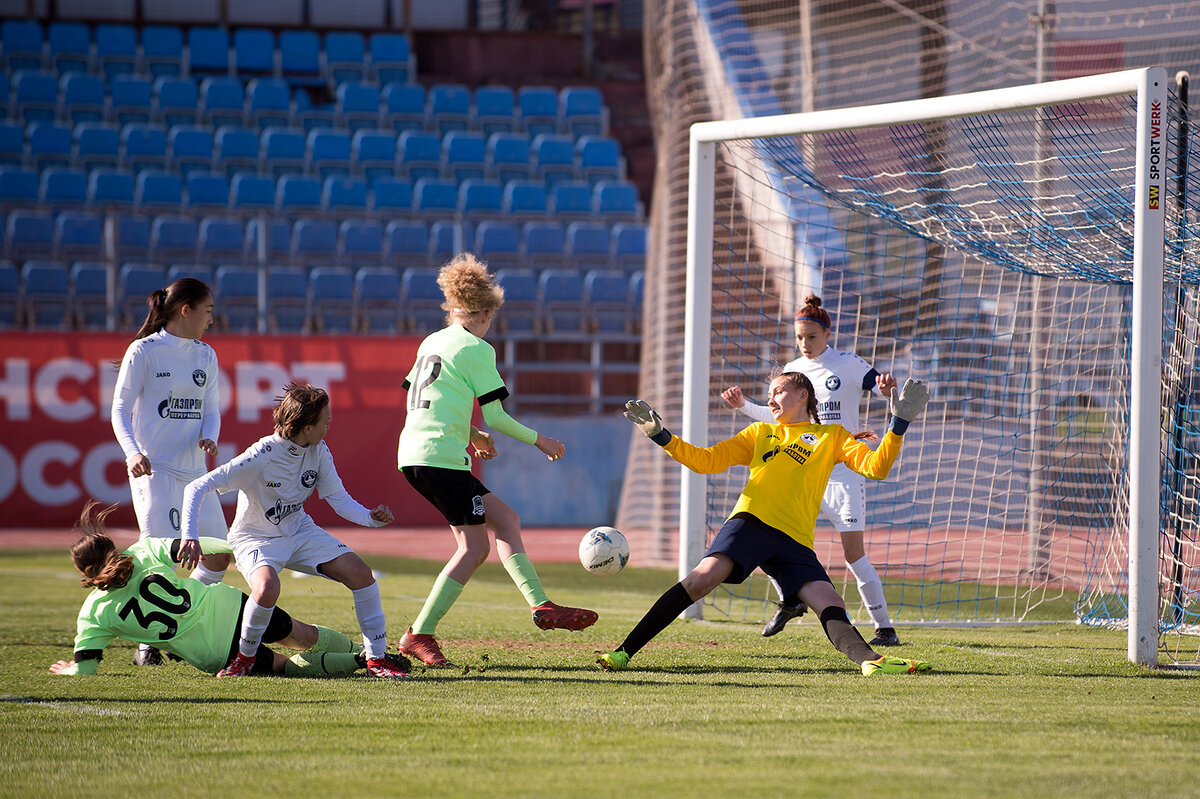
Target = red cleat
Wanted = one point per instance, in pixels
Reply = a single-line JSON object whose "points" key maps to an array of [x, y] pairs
{"points": [[424, 648], [239, 666], [549, 616]]}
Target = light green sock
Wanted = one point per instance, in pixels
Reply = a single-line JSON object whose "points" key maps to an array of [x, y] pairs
{"points": [[525, 576], [442, 597], [321, 664], [332, 641]]}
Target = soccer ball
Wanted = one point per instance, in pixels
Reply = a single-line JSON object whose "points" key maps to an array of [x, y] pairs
{"points": [[604, 551]]}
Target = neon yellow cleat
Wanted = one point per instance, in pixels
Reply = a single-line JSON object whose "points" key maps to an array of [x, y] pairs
{"points": [[886, 664], [613, 661]]}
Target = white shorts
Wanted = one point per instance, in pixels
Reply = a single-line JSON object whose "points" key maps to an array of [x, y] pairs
{"points": [[304, 550], [158, 499], [845, 506]]}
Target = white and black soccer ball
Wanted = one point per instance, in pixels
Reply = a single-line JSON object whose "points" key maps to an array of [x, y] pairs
{"points": [[604, 551]]}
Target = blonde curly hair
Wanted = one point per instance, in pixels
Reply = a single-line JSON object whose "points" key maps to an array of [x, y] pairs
{"points": [[467, 286]]}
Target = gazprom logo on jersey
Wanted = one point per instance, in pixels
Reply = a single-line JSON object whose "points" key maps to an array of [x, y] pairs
{"points": [[199, 377], [308, 479], [833, 382], [180, 407], [281, 511]]}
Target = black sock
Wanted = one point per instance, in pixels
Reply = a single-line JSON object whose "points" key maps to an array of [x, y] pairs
{"points": [[657, 618], [844, 637]]}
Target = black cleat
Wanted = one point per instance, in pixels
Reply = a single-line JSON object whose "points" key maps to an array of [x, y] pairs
{"points": [[396, 661], [147, 655], [782, 617], [885, 636]]}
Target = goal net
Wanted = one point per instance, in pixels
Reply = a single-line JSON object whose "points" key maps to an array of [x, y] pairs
{"points": [[1010, 249]]}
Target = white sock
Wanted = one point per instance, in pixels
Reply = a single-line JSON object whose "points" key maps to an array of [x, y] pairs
{"points": [[369, 609], [207, 575], [870, 588], [255, 619]]}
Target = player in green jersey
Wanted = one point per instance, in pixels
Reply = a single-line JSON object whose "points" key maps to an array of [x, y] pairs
{"points": [[139, 597]]}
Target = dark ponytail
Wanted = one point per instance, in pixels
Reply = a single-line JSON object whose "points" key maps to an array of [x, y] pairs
{"points": [[95, 554], [164, 304]]}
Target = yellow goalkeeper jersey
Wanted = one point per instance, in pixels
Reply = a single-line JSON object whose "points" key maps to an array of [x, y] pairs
{"points": [[789, 467]]}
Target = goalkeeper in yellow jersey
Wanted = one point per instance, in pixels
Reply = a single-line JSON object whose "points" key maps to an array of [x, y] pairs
{"points": [[771, 526]]}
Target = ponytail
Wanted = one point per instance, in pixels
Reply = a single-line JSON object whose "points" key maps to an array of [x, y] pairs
{"points": [[95, 554], [165, 304]]}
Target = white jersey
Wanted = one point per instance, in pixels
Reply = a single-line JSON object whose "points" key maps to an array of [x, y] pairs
{"points": [[166, 400], [275, 477], [839, 380]]}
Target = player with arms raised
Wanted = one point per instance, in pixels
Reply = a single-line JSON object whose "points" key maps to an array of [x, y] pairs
{"points": [[839, 378], [455, 368]]}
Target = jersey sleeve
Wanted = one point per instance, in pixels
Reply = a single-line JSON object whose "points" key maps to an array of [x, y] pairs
{"points": [[90, 636], [498, 419], [736, 451], [874, 464], [211, 423], [759, 413], [227, 477], [482, 375], [130, 380]]}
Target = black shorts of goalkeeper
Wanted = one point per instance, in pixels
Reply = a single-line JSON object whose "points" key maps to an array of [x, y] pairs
{"points": [[751, 545]]}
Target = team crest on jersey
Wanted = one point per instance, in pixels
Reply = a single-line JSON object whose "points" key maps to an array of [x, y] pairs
{"points": [[308, 479], [199, 377], [809, 438], [833, 382]]}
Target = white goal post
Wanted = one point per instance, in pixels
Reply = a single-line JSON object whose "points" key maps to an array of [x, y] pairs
{"points": [[1149, 87]]}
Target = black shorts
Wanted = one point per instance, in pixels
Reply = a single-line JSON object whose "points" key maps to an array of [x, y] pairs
{"points": [[278, 628], [751, 545], [456, 493]]}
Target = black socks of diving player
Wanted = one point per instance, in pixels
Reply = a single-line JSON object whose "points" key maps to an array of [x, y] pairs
{"points": [[661, 614], [844, 637]]}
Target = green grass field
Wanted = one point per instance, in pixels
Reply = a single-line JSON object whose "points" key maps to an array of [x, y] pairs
{"points": [[707, 710]]}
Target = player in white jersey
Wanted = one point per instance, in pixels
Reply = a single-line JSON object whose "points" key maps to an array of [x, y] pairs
{"points": [[271, 530], [166, 416], [839, 379]]}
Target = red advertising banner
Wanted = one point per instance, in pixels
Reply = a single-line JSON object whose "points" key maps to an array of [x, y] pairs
{"points": [[57, 448]]}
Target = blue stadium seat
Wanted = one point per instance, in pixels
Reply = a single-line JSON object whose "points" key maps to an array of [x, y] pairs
{"points": [[89, 295], [143, 146], [629, 246], [480, 199], [278, 240], [49, 145], [345, 57], [97, 145], [222, 240], [158, 190], [391, 58], [420, 155], [132, 98], [373, 153], [63, 188], [18, 187], [12, 143], [70, 47], [554, 157], [616, 200], [494, 110], [116, 50], [207, 191], [544, 244], [176, 101], [251, 193], [520, 312], [449, 107], [392, 196], [360, 243], [463, 153], [537, 108], [359, 106], [315, 242], [131, 237], [435, 197], [498, 244], [377, 290], [208, 51], [300, 58], [581, 109], [237, 150], [422, 301], [45, 287], [406, 244], [253, 52], [35, 96], [78, 236], [191, 148], [83, 98], [526, 199], [135, 283], [332, 299], [201, 272], [446, 239], [287, 300], [22, 41], [344, 196], [173, 239], [508, 156], [561, 293], [599, 159], [237, 297], [314, 110], [10, 295], [298, 194], [571, 199], [606, 298], [270, 103], [404, 107], [162, 50], [222, 101], [328, 152], [588, 245], [283, 150]]}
